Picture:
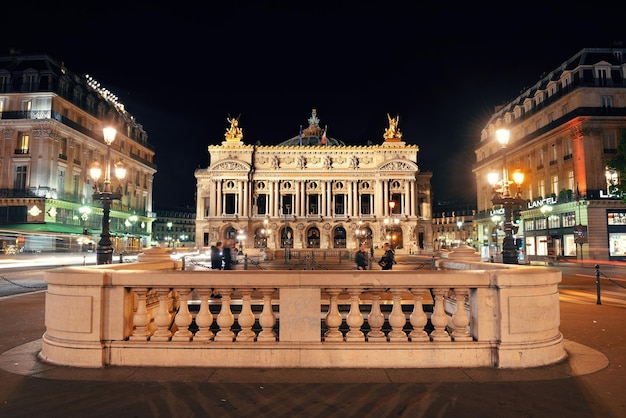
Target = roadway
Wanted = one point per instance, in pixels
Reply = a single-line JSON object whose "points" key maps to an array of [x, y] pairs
{"points": [[590, 384]]}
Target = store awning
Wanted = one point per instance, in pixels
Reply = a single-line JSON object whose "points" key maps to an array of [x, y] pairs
{"points": [[44, 228], [52, 228]]}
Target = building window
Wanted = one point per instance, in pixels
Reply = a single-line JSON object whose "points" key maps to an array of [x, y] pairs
{"points": [[554, 221], [286, 205], [570, 180], [555, 184], [61, 182], [207, 205], [4, 83], [30, 82], [76, 184], [21, 174], [230, 204], [63, 148], [568, 148], [601, 75], [339, 204], [365, 204], [607, 101], [541, 187], [540, 158], [23, 141], [529, 225], [610, 142], [313, 208], [569, 219], [261, 204]]}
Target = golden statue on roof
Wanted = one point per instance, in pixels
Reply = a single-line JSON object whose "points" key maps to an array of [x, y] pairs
{"points": [[392, 133], [234, 133]]}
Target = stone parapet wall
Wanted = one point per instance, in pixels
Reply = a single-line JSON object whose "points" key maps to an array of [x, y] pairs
{"points": [[153, 315]]}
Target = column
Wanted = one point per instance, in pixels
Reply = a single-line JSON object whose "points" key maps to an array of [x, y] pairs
{"points": [[379, 199], [323, 210], [299, 203], [271, 201], [408, 199], [246, 199], [349, 211], [276, 199], [219, 210], [200, 203]]}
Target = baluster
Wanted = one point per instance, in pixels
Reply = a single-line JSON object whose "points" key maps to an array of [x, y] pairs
{"points": [[141, 318], [183, 318], [439, 319], [162, 319], [204, 318], [460, 318], [376, 320], [333, 317], [355, 317], [418, 317], [267, 320], [397, 320], [246, 318], [225, 319]]}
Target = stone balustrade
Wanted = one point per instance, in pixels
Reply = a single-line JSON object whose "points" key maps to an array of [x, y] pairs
{"points": [[153, 314]]}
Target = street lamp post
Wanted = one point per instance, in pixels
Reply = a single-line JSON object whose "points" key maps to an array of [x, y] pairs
{"points": [[503, 197], [104, 250], [390, 221], [265, 233], [286, 235], [169, 233]]}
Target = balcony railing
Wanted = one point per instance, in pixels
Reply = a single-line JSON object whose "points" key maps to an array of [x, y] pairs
{"points": [[150, 314]]}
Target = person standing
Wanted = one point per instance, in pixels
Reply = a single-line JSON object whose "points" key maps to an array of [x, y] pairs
{"points": [[216, 256], [387, 261], [227, 255], [360, 258]]}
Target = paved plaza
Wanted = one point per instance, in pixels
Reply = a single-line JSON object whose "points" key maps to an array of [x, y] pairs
{"points": [[590, 383]]}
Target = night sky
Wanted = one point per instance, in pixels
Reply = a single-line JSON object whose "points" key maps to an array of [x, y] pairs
{"points": [[182, 68]]}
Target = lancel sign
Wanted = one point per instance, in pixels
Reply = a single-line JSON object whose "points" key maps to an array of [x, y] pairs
{"points": [[542, 202]]}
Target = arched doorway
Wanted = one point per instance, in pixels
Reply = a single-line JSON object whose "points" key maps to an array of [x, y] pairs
{"points": [[339, 237], [230, 233], [286, 237], [313, 238]]}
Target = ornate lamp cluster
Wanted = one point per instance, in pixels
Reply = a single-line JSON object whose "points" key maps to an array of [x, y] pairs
{"points": [[502, 197], [105, 194]]}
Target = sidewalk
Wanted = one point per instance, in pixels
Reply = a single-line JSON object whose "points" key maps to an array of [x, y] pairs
{"points": [[589, 384]]}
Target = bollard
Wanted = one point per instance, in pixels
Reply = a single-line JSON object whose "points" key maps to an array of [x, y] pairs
{"points": [[245, 262], [432, 263], [598, 301], [121, 259], [84, 260], [183, 266]]}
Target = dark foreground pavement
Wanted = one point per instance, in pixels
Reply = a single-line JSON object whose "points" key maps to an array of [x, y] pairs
{"points": [[591, 383]]}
